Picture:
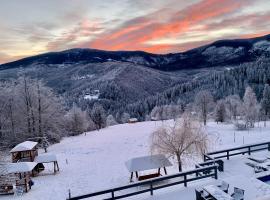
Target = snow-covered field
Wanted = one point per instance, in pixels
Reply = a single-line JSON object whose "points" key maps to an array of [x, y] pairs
{"points": [[96, 160]]}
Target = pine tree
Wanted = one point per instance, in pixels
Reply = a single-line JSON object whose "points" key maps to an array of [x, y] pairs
{"points": [[220, 111]]}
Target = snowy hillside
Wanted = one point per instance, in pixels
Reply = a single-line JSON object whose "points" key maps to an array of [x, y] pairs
{"points": [[96, 160]]}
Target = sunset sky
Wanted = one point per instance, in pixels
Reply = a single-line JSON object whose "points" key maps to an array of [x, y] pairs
{"points": [[30, 27]]}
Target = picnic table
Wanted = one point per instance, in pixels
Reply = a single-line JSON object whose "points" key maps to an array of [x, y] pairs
{"points": [[217, 193]]}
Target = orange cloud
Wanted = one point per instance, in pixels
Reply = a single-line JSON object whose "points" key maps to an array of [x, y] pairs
{"points": [[138, 36]]}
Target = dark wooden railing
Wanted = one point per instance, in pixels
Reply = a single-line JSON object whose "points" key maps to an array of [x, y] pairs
{"points": [[227, 153], [212, 163], [154, 184]]}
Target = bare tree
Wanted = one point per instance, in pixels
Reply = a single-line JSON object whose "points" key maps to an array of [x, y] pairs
{"points": [[203, 104], [234, 106], [186, 138]]}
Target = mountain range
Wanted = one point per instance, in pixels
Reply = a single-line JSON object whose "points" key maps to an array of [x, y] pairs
{"points": [[129, 76]]}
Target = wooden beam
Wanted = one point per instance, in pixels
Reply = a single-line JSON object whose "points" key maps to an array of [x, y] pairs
{"points": [[137, 175]]}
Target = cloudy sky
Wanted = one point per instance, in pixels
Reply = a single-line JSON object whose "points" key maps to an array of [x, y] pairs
{"points": [[32, 27]]}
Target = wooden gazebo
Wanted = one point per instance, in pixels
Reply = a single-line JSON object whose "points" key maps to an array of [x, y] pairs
{"points": [[25, 151], [46, 158], [153, 162]]}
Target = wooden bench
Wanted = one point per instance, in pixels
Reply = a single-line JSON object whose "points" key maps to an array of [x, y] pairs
{"points": [[148, 176]]}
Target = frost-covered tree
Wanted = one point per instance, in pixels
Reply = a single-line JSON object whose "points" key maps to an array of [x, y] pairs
{"points": [[31, 110], [186, 138], [156, 113], [125, 117], [98, 116], [203, 104], [77, 121], [265, 102], [220, 111], [250, 107], [110, 121], [234, 106]]}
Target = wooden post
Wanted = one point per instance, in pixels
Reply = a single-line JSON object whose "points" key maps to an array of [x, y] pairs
{"points": [[137, 175], [69, 193], [216, 175], [58, 169], [54, 167], [112, 194], [248, 150], [228, 156], [185, 180], [131, 177], [159, 171], [151, 188], [26, 186], [165, 171]]}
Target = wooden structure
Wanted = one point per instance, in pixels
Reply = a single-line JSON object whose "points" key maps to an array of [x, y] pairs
{"points": [[25, 151], [132, 120], [17, 175], [153, 162], [7, 183], [46, 158]]}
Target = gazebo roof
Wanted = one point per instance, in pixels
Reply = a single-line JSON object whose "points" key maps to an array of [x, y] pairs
{"points": [[24, 146], [147, 163], [21, 167], [45, 158]]}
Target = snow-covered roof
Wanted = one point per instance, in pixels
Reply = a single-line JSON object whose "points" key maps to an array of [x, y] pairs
{"points": [[133, 120], [147, 163], [24, 146], [45, 158], [21, 167]]}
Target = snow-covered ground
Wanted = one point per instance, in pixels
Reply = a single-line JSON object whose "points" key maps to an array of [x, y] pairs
{"points": [[96, 160]]}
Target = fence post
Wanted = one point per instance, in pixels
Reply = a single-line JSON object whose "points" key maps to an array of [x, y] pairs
{"points": [[228, 157], [185, 180], [69, 194], [216, 175], [151, 188], [204, 157], [112, 194], [248, 150]]}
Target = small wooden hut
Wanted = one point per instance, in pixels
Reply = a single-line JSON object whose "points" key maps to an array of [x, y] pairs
{"points": [[132, 120], [25, 151]]}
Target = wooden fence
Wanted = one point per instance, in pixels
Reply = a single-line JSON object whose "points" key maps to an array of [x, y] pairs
{"points": [[154, 184], [227, 153]]}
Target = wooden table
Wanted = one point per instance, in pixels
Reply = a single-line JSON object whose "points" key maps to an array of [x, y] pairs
{"points": [[217, 193]]}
